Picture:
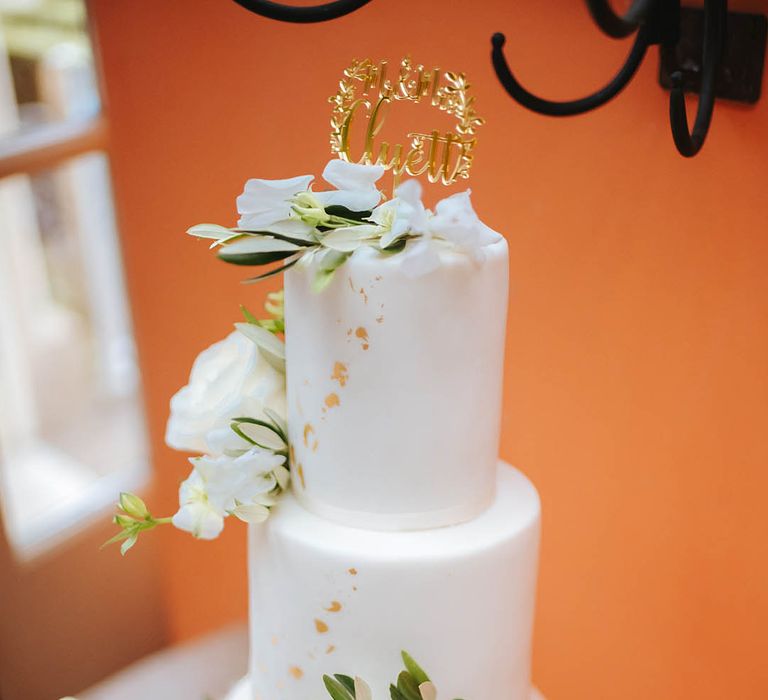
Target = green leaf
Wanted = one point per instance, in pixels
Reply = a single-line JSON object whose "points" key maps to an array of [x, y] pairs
{"points": [[300, 239], [210, 231], [322, 279], [394, 693], [329, 261], [336, 690], [278, 421], [129, 543], [414, 669], [263, 424], [249, 317], [346, 681], [408, 686], [273, 271], [122, 535], [272, 349], [253, 259], [344, 213], [262, 435], [397, 246], [258, 244]]}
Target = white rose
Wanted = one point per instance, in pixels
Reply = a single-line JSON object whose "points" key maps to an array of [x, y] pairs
{"points": [[228, 380]]}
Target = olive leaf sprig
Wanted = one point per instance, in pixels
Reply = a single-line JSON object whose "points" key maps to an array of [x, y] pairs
{"points": [[412, 684], [336, 232]]}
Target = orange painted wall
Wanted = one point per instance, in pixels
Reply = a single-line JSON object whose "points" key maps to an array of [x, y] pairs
{"points": [[636, 391]]}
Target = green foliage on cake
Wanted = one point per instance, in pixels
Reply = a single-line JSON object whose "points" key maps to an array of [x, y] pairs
{"points": [[412, 684]]}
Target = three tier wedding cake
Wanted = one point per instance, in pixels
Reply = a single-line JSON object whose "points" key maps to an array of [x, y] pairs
{"points": [[356, 429]]}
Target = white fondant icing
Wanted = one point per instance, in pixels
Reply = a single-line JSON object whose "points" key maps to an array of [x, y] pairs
{"points": [[242, 691], [326, 598], [394, 388]]}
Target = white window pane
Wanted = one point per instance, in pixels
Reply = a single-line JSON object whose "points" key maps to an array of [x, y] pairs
{"points": [[71, 424]]}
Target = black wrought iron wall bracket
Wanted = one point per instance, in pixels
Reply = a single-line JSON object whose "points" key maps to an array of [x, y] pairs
{"points": [[654, 22], [302, 15]]}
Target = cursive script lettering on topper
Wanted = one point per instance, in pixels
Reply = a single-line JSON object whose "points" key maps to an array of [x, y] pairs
{"points": [[366, 93]]}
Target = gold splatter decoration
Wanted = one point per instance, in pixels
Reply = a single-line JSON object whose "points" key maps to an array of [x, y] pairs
{"points": [[335, 606], [296, 672], [353, 571], [300, 470], [351, 284], [332, 400], [340, 373], [320, 626], [331, 648], [379, 319], [364, 295], [309, 430], [361, 333]]}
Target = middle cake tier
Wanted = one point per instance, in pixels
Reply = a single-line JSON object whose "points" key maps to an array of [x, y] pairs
{"points": [[394, 388]]}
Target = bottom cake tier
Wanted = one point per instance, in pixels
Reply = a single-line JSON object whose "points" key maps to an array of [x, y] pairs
{"points": [[243, 691], [328, 599]]}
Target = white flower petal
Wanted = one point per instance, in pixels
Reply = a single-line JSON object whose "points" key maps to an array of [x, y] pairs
{"points": [[251, 513], [344, 175], [428, 691], [419, 258], [349, 238], [259, 244], [355, 185], [201, 521], [362, 690], [263, 203], [283, 477]]}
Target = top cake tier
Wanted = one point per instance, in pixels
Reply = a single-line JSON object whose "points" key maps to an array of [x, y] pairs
{"points": [[394, 388]]}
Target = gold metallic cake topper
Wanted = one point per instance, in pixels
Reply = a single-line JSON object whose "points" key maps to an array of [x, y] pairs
{"points": [[365, 90]]}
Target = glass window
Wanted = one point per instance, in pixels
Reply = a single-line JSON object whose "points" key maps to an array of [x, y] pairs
{"points": [[71, 424]]}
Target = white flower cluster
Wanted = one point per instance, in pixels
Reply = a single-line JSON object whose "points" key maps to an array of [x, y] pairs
{"points": [[286, 219], [230, 412]]}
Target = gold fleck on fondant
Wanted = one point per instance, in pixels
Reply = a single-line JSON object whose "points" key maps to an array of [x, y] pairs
{"points": [[332, 400], [351, 284], [309, 430], [379, 319], [331, 648], [353, 571], [320, 626], [378, 278], [361, 333], [335, 606], [364, 295], [300, 470], [296, 672], [291, 453], [340, 373], [354, 588]]}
